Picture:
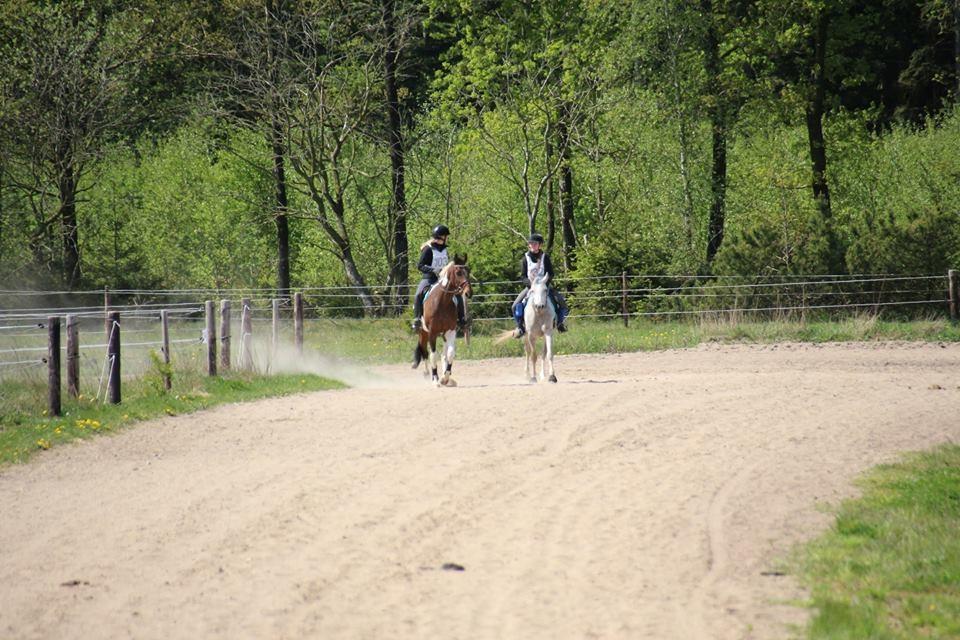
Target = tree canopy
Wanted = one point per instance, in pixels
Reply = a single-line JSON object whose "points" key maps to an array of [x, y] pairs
{"points": [[283, 144]]}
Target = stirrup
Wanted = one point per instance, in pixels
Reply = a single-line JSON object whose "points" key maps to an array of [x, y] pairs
{"points": [[417, 324]]}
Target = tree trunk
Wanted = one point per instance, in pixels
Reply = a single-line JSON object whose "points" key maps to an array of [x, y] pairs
{"points": [[684, 145], [566, 192], [551, 203], [818, 146], [68, 223], [342, 241], [567, 213], [400, 267], [280, 214], [355, 279], [276, 141], [2, 214], [956, 47], [718, 125]]}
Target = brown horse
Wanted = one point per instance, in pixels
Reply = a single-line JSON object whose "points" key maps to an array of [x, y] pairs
{"points": [[440, 319]]}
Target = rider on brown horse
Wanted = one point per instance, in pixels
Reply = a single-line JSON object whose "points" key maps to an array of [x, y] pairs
{"points": [[433, 258]]}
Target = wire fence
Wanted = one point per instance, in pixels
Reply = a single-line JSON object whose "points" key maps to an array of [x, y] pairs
{"points": [[622, 295], [182, 325]]}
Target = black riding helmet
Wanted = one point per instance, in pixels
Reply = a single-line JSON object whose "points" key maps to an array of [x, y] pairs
{"points": [[535, 237], [440, 230]]}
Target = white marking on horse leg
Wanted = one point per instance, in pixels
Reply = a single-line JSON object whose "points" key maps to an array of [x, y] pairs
{"points": [[449, 350]]}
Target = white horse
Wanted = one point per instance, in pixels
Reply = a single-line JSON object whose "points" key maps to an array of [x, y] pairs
{"points": [[538, 317]]}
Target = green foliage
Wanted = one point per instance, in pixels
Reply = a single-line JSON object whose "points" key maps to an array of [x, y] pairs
{"points": [[905, 200], [617, 92], [773, 226], [155, 378], [185, 212]]}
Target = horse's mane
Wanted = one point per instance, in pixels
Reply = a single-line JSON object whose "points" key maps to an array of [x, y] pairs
{"points": [[446, 270]]}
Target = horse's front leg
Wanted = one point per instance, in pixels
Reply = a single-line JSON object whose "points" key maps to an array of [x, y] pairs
{"points": [[530, 346], [449, 351], [548, 356]]}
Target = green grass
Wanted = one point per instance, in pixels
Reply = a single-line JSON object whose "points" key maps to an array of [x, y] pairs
{"points": [[890, 566], [25, 429], [391, 340]]}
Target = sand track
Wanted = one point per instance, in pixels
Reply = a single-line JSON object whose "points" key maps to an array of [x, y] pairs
{"points": [[645, 496]]}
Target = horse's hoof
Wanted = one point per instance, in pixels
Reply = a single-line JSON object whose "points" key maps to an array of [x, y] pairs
{"points": [[451, 382], [552, 378]]}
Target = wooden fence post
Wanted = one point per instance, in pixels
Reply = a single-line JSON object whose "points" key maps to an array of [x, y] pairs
{"points": [[53, 365], [113, 357], [298, 321], [73, 357], [246, 335], [225, 335], [623, 301], [165, 339], [954, 292], [211, 333], [275, 335]]}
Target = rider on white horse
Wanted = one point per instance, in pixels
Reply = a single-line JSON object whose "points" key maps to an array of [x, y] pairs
{"points": [[536, 263], [433, 258]]}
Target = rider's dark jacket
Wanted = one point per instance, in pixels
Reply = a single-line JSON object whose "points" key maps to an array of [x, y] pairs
{"points": [[535, 257], [425, 264]]}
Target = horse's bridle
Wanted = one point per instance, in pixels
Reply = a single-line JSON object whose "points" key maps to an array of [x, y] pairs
{"points": [[463, 285]]}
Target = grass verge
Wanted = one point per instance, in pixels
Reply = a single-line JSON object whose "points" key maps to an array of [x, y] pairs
{"points": [[25, 429], [889, 568], [391, 340]]}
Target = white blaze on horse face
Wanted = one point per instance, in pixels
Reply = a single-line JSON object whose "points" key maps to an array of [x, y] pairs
{"points": [[538, 293]]}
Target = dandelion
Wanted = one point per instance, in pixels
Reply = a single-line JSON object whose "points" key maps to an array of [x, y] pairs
{"points": [[43, 443]]}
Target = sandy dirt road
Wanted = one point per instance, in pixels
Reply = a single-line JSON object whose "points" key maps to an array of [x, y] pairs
{"points": [[648, 495]]}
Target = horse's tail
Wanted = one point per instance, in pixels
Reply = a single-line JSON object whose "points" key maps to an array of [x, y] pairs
{"points": [[418, 355], [503, 336]]}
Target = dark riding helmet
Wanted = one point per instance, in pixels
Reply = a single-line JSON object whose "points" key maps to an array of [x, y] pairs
{"points": [[440, 230], [535, 237]]}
